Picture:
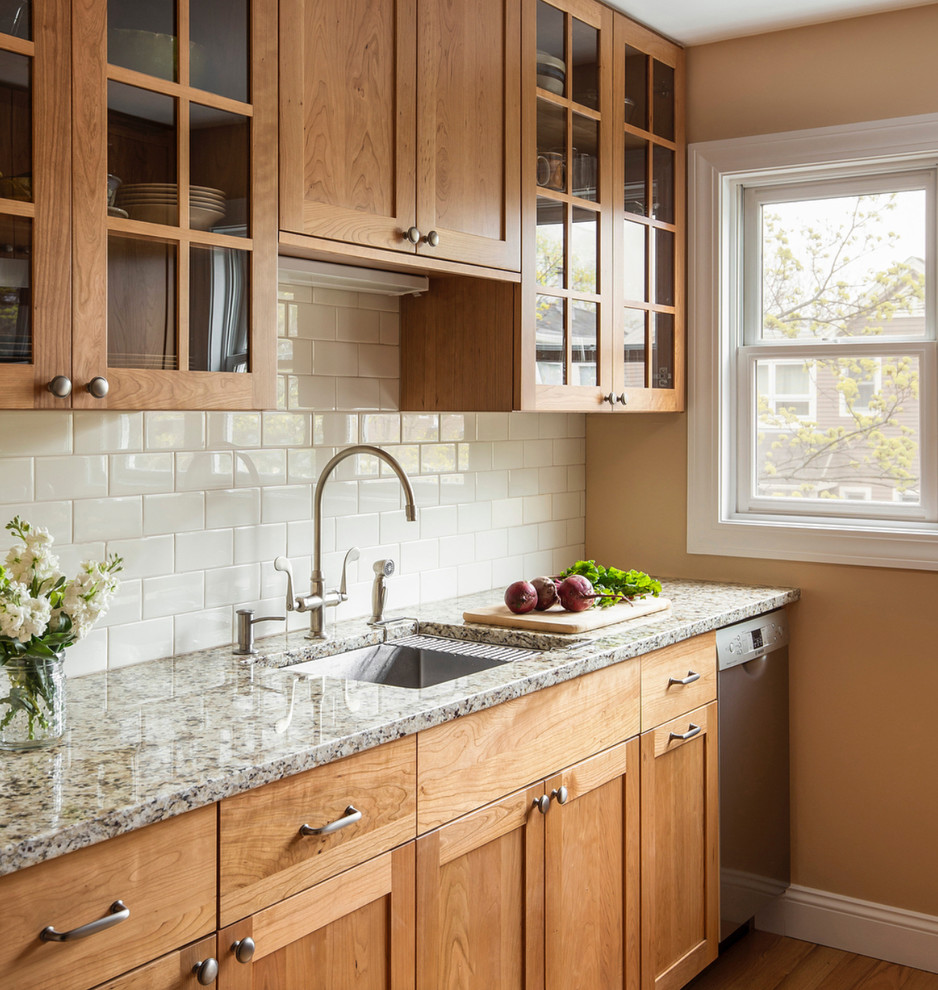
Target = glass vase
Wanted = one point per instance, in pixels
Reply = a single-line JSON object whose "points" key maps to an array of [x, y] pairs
{"points": [[32, 701]]}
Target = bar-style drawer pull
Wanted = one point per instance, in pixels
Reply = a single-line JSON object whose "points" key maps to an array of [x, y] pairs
{"points": [[691, 732], [351, 816], [117, 913], [692, 676]]}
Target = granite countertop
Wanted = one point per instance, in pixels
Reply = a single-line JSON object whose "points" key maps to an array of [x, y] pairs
{"points": [[157, 739]]}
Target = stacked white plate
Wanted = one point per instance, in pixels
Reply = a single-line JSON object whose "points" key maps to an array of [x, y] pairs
{"points": [[157, 202], [551, 72]]}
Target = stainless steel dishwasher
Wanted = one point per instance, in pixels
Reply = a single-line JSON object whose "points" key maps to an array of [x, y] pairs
{"points": [[755, 860]]}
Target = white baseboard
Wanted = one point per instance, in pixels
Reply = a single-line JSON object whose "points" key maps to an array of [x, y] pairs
{"points": [[869, 929]]}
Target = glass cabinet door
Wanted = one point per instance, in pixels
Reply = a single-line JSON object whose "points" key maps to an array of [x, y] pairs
{"points": [[34, 210], [176, 205], [648, 344], [566, 166]]}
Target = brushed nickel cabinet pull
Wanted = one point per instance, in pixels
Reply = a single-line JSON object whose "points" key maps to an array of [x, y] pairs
{"points": [[691, 732], [692, 676], [542, 804], [560, 794], [433, 239], [117, 913], [412, 234], [351, 816], [244, 949], [60, 386], [98, 387], [206, 971]]}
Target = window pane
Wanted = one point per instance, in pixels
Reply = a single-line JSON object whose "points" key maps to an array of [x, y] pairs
{"points": [[585, 157], [844, 429], [551, 145], [16, 127], [662, 184], [551, 61], [584, 251], [142, 36], [662, 354], [549, 242], [636, 175], [634, 262], [636, 87], [220, 161], [634, 348], [15, 18], [585, 64], [218, 309], [663, 105], [16, 236], [218, 50], [585, 332], [849, 266], [550, 341]]}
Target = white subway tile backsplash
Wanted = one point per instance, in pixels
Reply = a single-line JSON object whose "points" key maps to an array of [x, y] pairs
{"points": [[106, 432], [118, 518], [71, 477], [16, 479], [175, 430], [33, 433], [141, 473], [88, 655], [201, 471], [179, 512], [173, 594], [199, 504], [200, 551]]}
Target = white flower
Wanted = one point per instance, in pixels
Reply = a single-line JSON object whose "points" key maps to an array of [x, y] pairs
{"points": [[22, 616], [35, 559], [88, 596]]}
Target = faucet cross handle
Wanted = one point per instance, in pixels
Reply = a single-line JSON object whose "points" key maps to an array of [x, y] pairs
{"points": [[283, 564], [353, 554]]}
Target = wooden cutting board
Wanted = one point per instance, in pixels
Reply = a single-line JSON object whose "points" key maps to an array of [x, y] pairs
{"points": [[556, 620]]}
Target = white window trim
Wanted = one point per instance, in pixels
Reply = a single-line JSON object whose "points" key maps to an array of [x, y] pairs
{"points": [[713, 526]]}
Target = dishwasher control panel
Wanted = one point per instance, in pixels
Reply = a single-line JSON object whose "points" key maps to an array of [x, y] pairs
{"points": [[745, 641]]}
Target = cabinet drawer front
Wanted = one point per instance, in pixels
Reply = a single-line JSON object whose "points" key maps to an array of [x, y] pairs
{"points": [[164, 874], [176, 971], [663, 696], [264, 856], [473, 760]]}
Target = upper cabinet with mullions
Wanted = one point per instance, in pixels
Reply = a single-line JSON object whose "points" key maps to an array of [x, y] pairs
{"points": [[161, 175], [399, 131]]}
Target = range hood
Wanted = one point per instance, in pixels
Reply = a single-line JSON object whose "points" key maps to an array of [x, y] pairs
{"points": [[323, 274]]}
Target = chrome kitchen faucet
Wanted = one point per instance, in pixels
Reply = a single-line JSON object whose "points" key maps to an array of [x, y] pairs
{"points": [[318, 598]]}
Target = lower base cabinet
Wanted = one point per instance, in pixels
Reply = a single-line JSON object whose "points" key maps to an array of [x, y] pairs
{"points": [[352, 932], [680, 849], [185, 969], [539, 888]]}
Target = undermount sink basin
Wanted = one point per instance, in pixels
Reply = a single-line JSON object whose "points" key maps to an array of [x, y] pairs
{"points": [[412, 662]]}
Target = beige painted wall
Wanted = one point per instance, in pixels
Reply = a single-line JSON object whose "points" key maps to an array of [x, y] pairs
{"points": [[864, 681]]}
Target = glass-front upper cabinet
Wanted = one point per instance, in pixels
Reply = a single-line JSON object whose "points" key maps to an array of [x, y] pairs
{"points": [[35, 304], [175, 227], [568, 182], [648, 344]]}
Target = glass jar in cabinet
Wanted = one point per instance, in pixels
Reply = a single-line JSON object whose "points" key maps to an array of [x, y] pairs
{"points": [[648, 339], [174, 207]]}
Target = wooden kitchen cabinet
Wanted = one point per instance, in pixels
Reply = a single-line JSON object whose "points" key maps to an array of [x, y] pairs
{"points": [[354, 931], [117, 296], [185, 969], [597, 322], [680, 849], [539, 888], [399, 132]]}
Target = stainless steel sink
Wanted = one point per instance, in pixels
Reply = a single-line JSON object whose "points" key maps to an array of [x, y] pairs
{"points": [[411, 662]]}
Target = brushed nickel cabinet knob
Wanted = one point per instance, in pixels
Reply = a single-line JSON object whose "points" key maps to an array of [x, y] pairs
{"points": [[433, 238], [98, 387], [412, 234], [243, 949], [60, 386], [206, 971]]}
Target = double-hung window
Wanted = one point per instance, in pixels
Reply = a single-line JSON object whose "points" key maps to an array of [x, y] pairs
{"points": [[813, 405]]}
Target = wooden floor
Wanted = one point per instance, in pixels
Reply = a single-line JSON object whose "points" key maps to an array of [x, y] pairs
{"points": [[760, 961]]}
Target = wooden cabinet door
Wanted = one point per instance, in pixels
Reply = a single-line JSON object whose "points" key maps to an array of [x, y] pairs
{"points": [[352, 932], [347, 120], [175, 971], [35, 240], [480, 889], [680, 849], [174, 282], [468, 131], [591, 873]]}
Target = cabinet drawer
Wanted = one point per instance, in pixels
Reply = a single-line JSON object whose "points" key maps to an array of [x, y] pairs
{"points": [[473, 760], [164, 874], [175, 971], [263, 855], [663, 696]]}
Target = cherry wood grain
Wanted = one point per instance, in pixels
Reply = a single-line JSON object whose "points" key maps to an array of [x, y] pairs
{"points": [[680, 850], [175, 971], [480, 899], [468, 762], [164, 873], [263, 857], [662, 700]]}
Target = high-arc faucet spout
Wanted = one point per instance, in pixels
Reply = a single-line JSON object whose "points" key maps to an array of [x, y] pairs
{"points": [[410, 508], [318, 598]]}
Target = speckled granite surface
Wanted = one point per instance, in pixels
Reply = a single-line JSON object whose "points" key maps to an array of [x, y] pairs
{"points": [[155, 740]]}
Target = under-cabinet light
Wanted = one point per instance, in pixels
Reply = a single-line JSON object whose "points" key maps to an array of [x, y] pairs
{"points": [[302, 271]]}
